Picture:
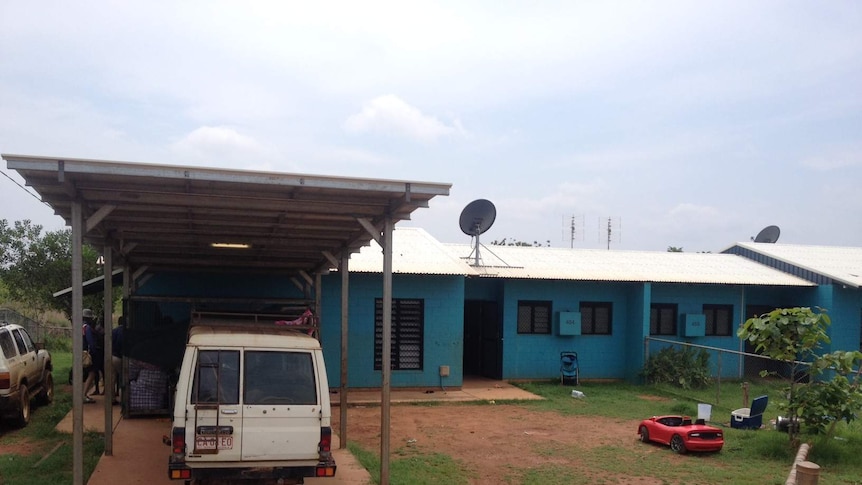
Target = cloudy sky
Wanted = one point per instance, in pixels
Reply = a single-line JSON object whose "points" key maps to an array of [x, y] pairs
{"points": [[687, 124]]}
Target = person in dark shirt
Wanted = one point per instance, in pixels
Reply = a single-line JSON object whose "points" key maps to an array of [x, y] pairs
{"points": [[94, 343]]}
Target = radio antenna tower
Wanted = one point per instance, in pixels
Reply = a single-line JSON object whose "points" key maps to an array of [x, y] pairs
{"points": [[575, 229], [613, 229]]}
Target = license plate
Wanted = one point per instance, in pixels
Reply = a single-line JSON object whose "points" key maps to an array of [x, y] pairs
{"points": [[209, 442]]}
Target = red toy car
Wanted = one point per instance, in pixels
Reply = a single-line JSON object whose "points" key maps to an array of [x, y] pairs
{"points": [[681, 434]]}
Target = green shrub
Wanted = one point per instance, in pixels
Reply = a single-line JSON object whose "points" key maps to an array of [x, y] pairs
{"points": [[57, 343], [685, 367]]}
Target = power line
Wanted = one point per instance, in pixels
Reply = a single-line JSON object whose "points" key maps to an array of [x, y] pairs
{"points": [[31, 194]]}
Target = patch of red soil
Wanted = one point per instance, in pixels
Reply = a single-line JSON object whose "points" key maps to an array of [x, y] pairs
{"points": [[500, 442], [647, 397], [10, 444]]}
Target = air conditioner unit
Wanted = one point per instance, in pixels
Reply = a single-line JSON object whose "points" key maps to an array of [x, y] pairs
{"points": [[693, 325], [569, 323]]}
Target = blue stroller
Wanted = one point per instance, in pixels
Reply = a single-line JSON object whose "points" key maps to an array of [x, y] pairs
{"points": [[569, 368]]}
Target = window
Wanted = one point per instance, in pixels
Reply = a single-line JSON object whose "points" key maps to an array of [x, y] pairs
{"points": [[19, 342], [718, 319], [28, 342], [662, 319], [595, 318], [279, 378], [408, 333], [6, 344], [217, 377], [534, 316]]}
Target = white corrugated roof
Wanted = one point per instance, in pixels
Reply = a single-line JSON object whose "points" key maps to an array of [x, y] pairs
{"points": [[414, 251], [639, 266], [843, 264], [417, 252]]}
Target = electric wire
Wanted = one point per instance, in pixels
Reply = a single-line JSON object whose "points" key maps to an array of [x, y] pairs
{"points": [[31, 194]]}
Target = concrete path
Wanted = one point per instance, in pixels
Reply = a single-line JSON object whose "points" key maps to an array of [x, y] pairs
{"points": [[140, 456]]}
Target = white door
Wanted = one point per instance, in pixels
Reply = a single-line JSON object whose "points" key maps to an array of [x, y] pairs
{"points": [[214, 415], [281, 406], [27, 351]]}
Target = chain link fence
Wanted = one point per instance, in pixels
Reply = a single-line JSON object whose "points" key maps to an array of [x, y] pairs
{"points": [[39, 331], [728, 367]]}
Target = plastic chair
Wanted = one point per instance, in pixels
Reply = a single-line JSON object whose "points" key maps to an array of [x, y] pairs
{"points": [[569, 368]]}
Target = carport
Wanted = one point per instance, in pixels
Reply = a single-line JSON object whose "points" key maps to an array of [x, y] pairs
{"points": [[147, 217]]}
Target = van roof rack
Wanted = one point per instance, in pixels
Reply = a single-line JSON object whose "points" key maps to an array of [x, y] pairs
{"points": [[307, 321]]}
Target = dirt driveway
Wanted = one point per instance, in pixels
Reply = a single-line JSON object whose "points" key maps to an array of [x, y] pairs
{"points": [[499, 442]]}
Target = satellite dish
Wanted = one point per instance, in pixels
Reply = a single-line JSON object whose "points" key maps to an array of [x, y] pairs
{"points": [[477, 217], [768, 234]]}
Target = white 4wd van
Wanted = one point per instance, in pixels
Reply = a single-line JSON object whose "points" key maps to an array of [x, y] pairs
{"points": [[25, 372], [252, 402]]}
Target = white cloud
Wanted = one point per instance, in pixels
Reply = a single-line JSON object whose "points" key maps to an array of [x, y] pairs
{"points": [[390, 115], [834, 159], [217, 145]]}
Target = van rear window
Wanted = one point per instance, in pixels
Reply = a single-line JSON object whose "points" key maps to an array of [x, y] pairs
{"points": [[273, 377], [6, 344], [216, 377]]}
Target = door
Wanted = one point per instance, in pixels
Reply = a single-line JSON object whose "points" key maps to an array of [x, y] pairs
{"points": [[483, 339], [281, 405], [214, 426], [27, 351]]}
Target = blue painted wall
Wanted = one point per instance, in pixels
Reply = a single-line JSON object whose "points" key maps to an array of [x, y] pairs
{"points": [[525, 356], [846, 314], [534, 356], [690, 299], [638, 318], [444, 328]]}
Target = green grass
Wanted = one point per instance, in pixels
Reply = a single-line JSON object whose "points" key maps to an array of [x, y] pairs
{"points": [[767, 451], [408, 467], [40, 440], [748, 458]]}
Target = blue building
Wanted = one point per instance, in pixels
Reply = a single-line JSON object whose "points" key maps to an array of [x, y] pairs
{"points": [[510, 316], [201, 239]]}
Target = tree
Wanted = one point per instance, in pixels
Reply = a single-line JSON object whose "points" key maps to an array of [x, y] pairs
{"points": [[33, 266], [674, 249], [794, 336], [515, 242]]}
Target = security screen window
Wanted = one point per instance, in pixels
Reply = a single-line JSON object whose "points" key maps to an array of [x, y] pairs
{"points": [[216, 377], [596, 318], [534, 317], [662, 319], [718, 320], [408, 333]]}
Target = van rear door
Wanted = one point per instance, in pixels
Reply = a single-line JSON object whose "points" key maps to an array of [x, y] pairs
{"points": [[281, 406], [214, 426]]}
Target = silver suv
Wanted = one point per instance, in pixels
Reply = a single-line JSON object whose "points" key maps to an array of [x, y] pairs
{"points": [[25, 372]]}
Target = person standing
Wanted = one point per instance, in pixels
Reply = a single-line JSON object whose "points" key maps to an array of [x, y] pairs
{"points": [[94, 343]]}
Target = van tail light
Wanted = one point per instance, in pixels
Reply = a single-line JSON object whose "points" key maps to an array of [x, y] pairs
{"points": [[178, 441], [326, 467], [5, 380], [325, 439]]}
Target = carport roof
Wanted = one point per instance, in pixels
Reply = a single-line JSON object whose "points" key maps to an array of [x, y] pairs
{"points": [[165, 216]]}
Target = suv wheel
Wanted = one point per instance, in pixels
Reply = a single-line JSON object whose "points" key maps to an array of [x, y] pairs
{"points": [[23, 416], [46, 395]]}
